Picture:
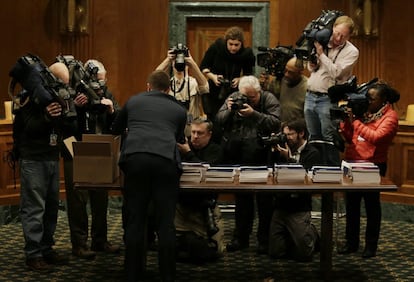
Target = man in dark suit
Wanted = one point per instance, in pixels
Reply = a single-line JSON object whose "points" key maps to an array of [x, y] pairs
{"points": [[154, 122]]}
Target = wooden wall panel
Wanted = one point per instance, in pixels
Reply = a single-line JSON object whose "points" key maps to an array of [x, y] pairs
{"points": [[131, 38]]}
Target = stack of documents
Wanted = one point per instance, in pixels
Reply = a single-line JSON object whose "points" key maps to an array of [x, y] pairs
{"points": [[332, 174], [361, 172], [254, 174], [288, 173], [193, 172], [222, 173]]}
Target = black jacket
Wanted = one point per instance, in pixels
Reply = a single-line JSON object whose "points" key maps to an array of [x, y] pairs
{"points": [[155, 122]]}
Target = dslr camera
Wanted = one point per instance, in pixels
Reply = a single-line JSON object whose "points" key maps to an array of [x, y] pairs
{"points": [[273, 140], [181, 51], [274, 60], [238, 102], [354, 97], [319, 30]]}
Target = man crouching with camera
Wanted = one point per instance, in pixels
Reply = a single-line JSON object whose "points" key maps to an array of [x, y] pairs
{"points": [[244, 117], [292, 235], [200, 232]]}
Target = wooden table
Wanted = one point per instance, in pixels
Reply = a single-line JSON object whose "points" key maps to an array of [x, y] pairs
{"points": [[325, 189]]}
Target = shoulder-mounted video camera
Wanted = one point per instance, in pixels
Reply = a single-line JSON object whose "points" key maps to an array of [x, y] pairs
{"points": [[352, 95], [82, 79], [274, 60], [181, 51], [319, 30], [39, 84]]}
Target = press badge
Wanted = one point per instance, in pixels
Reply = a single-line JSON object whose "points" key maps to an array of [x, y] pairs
{"points": [[53, 139]]}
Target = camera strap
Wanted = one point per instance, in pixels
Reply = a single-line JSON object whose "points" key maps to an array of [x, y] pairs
{"points": [[175, 91]]}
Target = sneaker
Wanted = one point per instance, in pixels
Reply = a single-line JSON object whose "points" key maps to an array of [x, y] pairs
{"points": [[106, 247], [54, 258], [84, 253], [38, 264]]}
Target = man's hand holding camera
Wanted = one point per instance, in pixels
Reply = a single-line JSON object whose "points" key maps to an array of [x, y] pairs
{"points": [[242, 107], [81, 100], [54, 109]]}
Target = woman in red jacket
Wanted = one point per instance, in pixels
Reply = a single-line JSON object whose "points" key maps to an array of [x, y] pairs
{"points": [[369, 138]]}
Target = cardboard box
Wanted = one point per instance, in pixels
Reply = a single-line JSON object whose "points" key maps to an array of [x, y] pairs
{"points": [[95, 158]]}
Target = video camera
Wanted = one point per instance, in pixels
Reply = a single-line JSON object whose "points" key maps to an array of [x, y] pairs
{"points": [[82, 80], [181, 51], [238, 102], [354, 97], [274, 60], [319, 30], [40, 84], [273, 140]]}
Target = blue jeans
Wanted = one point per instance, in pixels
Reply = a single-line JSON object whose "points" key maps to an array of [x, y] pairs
{"points": [[320, 125], [39, 203]]}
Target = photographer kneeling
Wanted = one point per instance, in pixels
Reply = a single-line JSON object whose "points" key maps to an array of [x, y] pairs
{"points": [[200, 233], [292, 235]]}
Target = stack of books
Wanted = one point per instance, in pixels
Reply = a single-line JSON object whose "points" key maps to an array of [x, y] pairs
{"points": [[222, 173], [361, 172], [254, 174], [330, 174], [288, 173], [193, 172]]}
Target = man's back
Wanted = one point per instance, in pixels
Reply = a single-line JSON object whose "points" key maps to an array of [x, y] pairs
{"points": [[154, 121]]}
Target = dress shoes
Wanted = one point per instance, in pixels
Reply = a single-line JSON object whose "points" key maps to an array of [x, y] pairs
{"points": [[38, 264], [84, 253], [54, 258], [347, 249], [369, 253], [236, 245], [106, 247]]}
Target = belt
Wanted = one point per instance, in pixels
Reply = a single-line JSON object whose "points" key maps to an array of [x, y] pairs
{"points": [[317, 93]]}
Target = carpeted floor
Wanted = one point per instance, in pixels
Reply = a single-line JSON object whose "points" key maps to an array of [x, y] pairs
{"points": [[395, 260]]}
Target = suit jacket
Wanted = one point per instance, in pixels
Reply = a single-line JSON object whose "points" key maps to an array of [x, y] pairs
{"points": [[154, 122]]}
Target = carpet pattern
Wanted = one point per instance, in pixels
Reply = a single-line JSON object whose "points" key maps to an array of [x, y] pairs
{"points": [[394, 261]]}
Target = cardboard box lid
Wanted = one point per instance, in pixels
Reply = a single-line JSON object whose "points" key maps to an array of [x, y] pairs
{"points": [[99, 137], [92, 149]]}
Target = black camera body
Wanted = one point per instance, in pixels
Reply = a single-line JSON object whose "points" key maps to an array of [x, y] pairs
{"points": [[273, 140], [354, 97], [181, 51], [40, 84], [274, 60], [82, 79], [238, 102], [319, 30]]}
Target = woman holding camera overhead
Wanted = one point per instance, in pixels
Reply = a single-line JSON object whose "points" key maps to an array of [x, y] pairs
{"points": [[225, 61], [369, 138]]}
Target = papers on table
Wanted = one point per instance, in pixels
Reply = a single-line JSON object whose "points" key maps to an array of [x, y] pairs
{"points": [[288, 173], [221, 173], [331, 174], [254, 174], [193, 172], [361, 172]]}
